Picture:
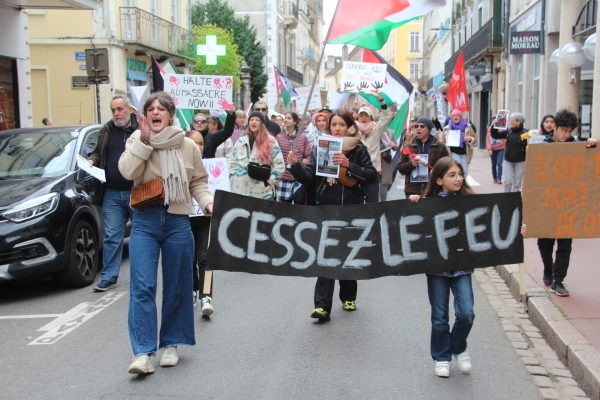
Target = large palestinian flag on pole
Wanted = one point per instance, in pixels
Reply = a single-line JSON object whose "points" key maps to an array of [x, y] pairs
{"points": [[368, 23], [395, 91]]}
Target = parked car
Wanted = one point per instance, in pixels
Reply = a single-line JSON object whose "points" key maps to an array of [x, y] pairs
{"points": [[48, 225]]}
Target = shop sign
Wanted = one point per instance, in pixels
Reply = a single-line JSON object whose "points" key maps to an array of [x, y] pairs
{"points": [[136, 65], [80, 56], [79, 82], [526, 42], [477, 70]]}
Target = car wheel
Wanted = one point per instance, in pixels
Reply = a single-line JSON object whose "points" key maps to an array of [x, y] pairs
{"points": [[82, 261]]}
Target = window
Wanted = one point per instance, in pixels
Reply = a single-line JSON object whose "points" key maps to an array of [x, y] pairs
{"points": [[479, 17], [9, 95], [414, 42], [414, 71]]}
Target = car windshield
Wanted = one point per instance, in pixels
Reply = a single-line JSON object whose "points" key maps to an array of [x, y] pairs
{"points": [[37, 153]]}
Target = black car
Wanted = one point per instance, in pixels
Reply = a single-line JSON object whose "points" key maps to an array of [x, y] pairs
{"points": [[48, 225]]}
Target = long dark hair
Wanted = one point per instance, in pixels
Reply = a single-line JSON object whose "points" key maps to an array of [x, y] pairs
{"points": [[346, 116], [295, 118], [439, 170], [542, 130], [217, 121]]}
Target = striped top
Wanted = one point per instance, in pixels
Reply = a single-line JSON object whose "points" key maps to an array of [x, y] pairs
{"points": [[302, 150]]}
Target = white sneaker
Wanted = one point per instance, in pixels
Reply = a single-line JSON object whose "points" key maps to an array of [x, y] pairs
{"points": [[442, 369], [169, 357], [464, 361], [195, 298], [207, 308], [141, 365]]}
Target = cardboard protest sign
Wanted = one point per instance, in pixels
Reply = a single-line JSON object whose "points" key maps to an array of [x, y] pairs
{"points": [[315, 100], [218, 178], [200, 92], [561, 191], [365, 241], [363, 77]]}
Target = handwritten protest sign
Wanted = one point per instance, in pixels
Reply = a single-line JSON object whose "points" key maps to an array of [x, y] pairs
{"points": [[315, 100], [204, 92], [365, 241], [363, 77], [218, 178], [561, 191]]}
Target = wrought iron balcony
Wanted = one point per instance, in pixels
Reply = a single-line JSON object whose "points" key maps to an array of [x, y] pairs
{"points": [[586, 22], [309, 54], [488, 39], [290, 14], [292, 75], [144, 29]]}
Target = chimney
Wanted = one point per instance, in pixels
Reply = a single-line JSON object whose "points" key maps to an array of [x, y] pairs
{"points": [[345, 53]]}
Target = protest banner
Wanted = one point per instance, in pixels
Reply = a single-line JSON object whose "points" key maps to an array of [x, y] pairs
{"points": [[315, 101], [218, 178], [200, 92], [363, 77], [561, 191], [365, 241]]}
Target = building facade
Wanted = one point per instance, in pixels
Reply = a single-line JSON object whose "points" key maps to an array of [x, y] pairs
{"points": [[15, 80], [131, 32]]}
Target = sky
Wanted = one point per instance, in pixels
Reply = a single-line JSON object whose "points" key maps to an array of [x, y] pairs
{"points": [[328, 11]]}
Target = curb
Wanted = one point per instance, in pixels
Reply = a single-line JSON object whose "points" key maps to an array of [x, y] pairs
{"points": [[582, 359]]}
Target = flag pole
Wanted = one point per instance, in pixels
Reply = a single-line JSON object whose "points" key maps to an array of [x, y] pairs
{"points": [[312, 87]]}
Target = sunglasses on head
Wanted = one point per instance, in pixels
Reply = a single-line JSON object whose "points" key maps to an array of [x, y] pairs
{"points": [[260, 109], [199, 121]]}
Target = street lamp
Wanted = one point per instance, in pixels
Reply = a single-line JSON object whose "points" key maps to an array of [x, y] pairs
{"points": [[553, 61], [572, 55], [589, 47]]}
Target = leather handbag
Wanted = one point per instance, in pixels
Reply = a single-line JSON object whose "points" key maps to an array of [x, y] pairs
{"points": [[148, 194], [346, 180]]}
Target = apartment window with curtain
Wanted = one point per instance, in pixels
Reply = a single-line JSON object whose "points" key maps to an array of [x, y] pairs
{"points": [[414, 71], [479, 17], [536, 90], [414, 42], [520, 86]]}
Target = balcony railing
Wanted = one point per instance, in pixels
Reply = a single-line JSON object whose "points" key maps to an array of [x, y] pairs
{"points": [[147, 30], [290, 14], [488, 39], [292, 75]]}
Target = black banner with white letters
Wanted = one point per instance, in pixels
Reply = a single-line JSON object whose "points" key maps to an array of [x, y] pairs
{"points": [[365, 241]]}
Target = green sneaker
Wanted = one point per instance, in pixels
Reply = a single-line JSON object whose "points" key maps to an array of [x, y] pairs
{"points": [[320, 314], [350, 305]]}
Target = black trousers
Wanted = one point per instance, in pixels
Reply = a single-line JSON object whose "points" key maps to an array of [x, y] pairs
{"points": [[324, 292], [556, 268], [200, 229], [372, 191]]}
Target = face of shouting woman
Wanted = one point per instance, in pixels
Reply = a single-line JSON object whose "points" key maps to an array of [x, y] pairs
{"points": [[254, 124], [158, 117]]}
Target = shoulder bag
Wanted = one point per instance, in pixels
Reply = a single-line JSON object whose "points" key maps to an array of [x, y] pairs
{"points": [[147, 194], [258, 171]]}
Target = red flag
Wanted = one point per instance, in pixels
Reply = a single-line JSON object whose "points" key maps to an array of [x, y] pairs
{"points": [[457, 89]]}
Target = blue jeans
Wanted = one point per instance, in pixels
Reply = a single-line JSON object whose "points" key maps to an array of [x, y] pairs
{"points": [[155, 231], [463, 159], [443, 342], [497, 158], [115, 213]]}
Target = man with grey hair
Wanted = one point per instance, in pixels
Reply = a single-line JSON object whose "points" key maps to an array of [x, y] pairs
{"points": [[272, 127], [113, 195]]}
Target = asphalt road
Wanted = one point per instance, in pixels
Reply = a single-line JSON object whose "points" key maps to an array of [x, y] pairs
{"points": [[259, 344]]}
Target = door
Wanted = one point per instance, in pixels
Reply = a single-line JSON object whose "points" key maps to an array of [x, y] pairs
{"points": [[484, 117]]}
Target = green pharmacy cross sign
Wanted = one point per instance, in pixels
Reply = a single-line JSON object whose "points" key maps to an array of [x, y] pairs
{"points": [[211, 50]]}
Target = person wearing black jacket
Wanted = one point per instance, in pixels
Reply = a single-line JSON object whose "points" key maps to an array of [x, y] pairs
{"points": [[201, 224], [272, 127], [113, 196], [355, 164], [514, 152]]}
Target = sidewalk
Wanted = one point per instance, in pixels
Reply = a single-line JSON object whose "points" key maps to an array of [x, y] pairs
{"points": [[571, 325]]}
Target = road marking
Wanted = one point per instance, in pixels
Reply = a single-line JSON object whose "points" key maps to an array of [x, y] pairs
{"points": [[77, 319], [31, 316], [63, 317]]}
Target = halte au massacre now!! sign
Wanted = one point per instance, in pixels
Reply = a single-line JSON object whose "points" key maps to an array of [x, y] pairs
{"points": [[365, 241]]}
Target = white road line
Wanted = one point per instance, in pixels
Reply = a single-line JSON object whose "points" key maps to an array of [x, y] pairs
{"points": [[77, 319], [63, 317], [30, 316]]}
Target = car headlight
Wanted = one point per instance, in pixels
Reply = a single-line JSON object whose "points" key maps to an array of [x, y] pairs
{"points": [[32, 208]]}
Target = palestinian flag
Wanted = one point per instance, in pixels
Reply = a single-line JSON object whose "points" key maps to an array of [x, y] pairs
{"points": [[158, 83], [396, 91], [368, 23], [284, 88]]}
